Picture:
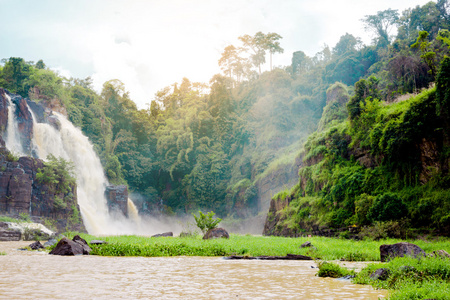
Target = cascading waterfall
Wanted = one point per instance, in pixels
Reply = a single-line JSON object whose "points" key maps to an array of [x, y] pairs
{"points": [[12, 139], [70, 144]]}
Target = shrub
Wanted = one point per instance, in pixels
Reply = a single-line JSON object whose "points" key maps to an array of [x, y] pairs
{"points": [[206, 222], [327, 269]]}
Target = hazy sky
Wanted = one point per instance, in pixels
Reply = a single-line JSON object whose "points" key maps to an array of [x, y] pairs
{"points": [[151, 44]]}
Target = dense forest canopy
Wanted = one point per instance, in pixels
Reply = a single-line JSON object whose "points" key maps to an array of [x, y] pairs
{"points": [[206, 145]]}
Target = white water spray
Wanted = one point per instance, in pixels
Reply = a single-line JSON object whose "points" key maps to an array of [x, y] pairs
{"points": [[70, 143], [12, 139]]}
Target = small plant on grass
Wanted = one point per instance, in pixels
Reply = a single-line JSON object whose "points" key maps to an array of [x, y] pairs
{"points": [[206, 222], [328, 269]]}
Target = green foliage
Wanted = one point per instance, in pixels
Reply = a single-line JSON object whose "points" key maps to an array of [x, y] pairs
{"points": [[206, 222], [387, 207], [333, 270], [58, 174], [411, 278], [12, 157], [24, 217]]}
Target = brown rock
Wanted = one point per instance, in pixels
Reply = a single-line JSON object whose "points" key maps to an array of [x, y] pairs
{"points": [[36, 246], [216, 233], [388, 252], [77, 246]]}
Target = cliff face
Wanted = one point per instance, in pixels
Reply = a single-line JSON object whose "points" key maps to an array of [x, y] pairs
{"points": [[389, 165], [20, 191]]}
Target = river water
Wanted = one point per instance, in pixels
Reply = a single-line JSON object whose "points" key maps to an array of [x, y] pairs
{"points": [[31, 275]]}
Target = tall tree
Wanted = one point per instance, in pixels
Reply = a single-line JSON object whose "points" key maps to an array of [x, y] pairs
{"points": [[273, 45], [381, 24]]}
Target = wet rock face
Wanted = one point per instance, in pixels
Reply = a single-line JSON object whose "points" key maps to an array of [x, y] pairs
{"points": [[25, 122], [117, 198], [3, 110]]}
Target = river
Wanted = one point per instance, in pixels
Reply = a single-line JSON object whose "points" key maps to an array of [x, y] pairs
{"points": [[31, 275]]}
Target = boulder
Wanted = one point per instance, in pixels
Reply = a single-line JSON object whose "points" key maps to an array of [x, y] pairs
{"points": [[165, 234], [77, 246], [440, 253], [83, 243], [388, 252], [306, 244], [216, 233], [380, 274], [50, 243], [98, 242], [36, 246]]}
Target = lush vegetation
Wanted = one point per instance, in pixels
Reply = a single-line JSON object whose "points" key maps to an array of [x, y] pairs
{"points": [[209, 146], [324, 248]]}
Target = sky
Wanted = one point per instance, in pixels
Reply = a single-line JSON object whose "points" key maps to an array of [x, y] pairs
{"points": [[151, 44]]}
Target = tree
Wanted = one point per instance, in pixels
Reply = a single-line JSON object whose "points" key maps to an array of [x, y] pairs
{"points": [[206, 222], [346, 43], [381, 24], [273, 45], [300, 62], [257, 44], [428, 55]]}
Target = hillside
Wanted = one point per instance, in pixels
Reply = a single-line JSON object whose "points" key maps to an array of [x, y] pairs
{"points": [[385, 167]]}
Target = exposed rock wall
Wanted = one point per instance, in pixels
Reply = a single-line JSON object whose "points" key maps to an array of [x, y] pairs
{"points": [[117, 197], [20, 192]]}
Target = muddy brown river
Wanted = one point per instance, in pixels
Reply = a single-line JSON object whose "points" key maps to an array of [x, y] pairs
{"points": [[35, 275]]}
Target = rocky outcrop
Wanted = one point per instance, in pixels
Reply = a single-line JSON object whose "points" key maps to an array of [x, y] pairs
{"points": [[388, 252], [7, 234], [24, 121], [117, 198], [277, 181], [21, 193], [76, 246], [165, 234], [216, 233]]}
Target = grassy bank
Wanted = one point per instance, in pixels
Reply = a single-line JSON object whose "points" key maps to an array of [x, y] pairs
{"points": [[324, 248], [405, 277]]}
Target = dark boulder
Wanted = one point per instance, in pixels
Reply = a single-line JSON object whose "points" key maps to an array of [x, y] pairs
{"points": [[306, 244], [216, 233], [36, 246], [388, 252], [83, 243], [380, 274], [77, 246], [165, 234], [98, 242]]}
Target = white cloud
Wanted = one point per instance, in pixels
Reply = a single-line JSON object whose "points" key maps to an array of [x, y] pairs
{"points": [[151, 44]]}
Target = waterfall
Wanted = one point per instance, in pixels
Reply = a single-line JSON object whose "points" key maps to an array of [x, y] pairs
{"points": [[70, 144], [12, 139], [63, 139]]}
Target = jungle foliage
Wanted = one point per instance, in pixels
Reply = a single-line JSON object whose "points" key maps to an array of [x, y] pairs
{"points": [[205, 146]]}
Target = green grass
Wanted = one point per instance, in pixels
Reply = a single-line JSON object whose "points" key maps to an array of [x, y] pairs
{"points": [[324, 248], [9, 219], [329, 269], [409, 278]]}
